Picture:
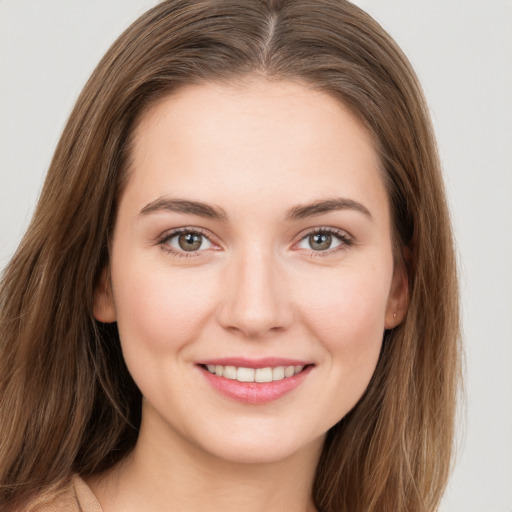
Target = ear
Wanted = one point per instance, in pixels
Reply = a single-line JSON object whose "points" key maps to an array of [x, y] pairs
{"points": [[396, 307], [104, 308]]}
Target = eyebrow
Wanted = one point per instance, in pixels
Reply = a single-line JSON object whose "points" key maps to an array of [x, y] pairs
{"points": [[324, 206], [185, 206], [217, 213]]}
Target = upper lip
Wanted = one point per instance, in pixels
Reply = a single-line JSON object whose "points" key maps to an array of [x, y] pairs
{"points": [[263, 362]]}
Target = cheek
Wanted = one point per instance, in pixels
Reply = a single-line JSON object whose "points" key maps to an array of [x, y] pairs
{"points": [[346, 314], [161, 310]]}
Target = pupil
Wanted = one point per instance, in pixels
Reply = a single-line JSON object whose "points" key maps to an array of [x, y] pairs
{"points": [[190, 241], [320, 241]]}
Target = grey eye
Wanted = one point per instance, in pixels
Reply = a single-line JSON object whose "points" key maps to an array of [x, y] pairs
{"points": [[320, 241], [189, 241]]}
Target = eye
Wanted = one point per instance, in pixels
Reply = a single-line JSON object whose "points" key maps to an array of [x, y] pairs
{"points": [[324, 240], [187, 241]]}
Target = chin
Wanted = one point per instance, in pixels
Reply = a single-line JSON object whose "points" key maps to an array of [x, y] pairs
{"points": [[264, 447]]}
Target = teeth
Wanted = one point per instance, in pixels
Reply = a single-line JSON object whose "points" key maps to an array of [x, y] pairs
{"points": [[289, 371], [263, 375], [242, 374], [229, 372], [278, 373], [245, 374]]}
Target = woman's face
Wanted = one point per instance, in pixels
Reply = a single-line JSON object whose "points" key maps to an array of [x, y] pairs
{"points": [[252, 244]]}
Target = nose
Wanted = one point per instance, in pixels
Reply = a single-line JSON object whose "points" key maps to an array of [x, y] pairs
{"points": [[255, 301]]}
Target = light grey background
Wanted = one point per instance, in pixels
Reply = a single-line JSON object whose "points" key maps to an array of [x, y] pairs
{"points": [[462, 51]]}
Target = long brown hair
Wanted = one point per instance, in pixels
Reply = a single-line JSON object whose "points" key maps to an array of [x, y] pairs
{"points": [[67, 401]]}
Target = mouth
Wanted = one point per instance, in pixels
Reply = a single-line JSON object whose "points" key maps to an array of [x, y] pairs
{"points": [[261, 375], [255, 382]]}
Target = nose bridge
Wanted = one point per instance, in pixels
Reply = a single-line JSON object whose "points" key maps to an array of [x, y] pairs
{"points": [[255, 300]]}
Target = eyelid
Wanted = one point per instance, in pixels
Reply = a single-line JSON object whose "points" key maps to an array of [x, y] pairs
{"points": [[168, 235], [343, 236]]}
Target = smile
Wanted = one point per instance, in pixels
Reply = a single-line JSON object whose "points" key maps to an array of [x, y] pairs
{"points": [[255, 382], [242, 374]]}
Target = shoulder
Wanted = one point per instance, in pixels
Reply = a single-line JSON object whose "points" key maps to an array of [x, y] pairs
{"points": [[74, 497]]}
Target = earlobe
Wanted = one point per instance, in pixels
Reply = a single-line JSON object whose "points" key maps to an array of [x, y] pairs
{"points": [[103, 307], [396, 307]]}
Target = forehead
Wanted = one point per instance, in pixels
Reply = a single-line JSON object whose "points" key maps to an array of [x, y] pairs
{"points": [[268, 138], [295, 108]]}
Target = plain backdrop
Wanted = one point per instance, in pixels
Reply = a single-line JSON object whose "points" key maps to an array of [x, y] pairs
{"points": [[462, 51]]}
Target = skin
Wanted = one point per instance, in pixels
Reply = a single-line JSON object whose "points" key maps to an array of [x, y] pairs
{"points": [[255, 288]]}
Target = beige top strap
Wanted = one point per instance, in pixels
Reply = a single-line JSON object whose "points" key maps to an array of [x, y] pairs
{"points": [[75, 497], [84, 496]]}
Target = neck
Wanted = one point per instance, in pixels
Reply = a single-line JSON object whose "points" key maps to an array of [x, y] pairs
{"points": [[167, 474]]}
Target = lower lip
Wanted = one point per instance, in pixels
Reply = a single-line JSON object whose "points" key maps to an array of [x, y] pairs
{"points": [[255, 393]]}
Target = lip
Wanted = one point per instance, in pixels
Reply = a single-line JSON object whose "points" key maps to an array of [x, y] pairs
{"points": [[255, 393]]}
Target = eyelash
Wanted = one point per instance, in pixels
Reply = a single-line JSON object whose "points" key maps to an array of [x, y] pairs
{"points": [[163, 241], [344, 238], [345, 241]]}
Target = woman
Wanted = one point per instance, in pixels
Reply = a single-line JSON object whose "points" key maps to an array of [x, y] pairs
{"points": [[239, 287]]}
